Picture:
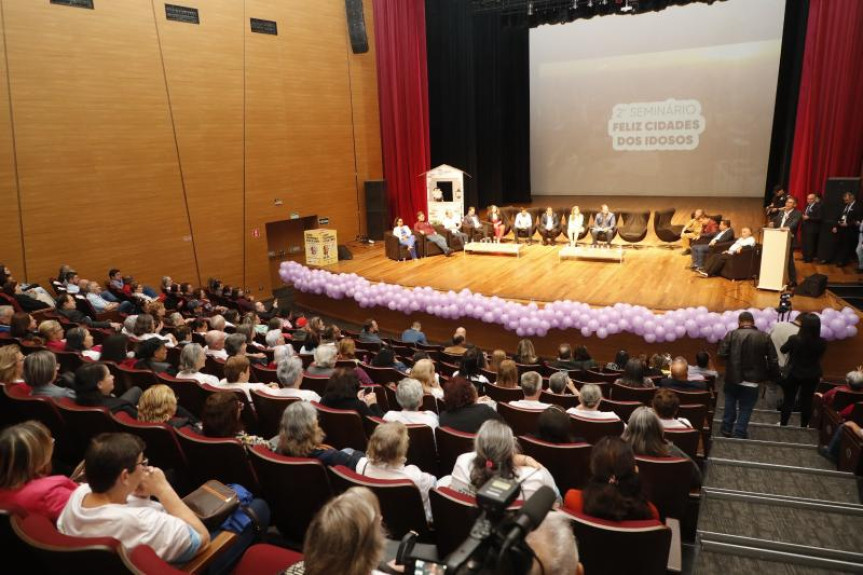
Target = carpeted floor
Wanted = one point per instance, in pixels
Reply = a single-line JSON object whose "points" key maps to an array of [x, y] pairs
{"points": [[763, 416], [712, 563], [775, 453], [772, 432], [781, 482], [777, 522]]}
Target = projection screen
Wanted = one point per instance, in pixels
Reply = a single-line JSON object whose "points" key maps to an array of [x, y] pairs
{"points": [[671, 103]]}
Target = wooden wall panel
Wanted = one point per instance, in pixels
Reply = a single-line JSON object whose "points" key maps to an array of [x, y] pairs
{"points": [[299, 136], [97, 162], [367, 117], [11, 249], [204, 71]]}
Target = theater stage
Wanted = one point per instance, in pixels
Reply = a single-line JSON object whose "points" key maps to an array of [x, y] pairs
{"points": [[654, 277]]}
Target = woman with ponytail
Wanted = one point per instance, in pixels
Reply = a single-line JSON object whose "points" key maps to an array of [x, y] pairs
{"points": [[614, 489]]}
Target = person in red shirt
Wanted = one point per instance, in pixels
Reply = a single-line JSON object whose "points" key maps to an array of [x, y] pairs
{"points": [[25, 467], [853, 382], [424, 228]]}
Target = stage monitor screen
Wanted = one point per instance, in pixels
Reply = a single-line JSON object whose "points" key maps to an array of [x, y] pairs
{"points": [[672, 103]]}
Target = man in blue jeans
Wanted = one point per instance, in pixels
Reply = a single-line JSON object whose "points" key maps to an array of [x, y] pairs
{"points": [[750, 359]]}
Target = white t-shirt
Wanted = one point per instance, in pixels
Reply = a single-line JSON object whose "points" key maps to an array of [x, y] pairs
{"points": [[166, 340], [530, 404], [91, 354], [523, 221], [424, 481], [139, 522], [590, 414], [532, 478], [741, 243], [304, 394], [451, 224], [199, 377], [676, 423], [429, 418], [217, 353]]}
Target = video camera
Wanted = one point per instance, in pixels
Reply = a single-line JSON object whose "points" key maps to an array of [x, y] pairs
{"points": [[496, 543], [784, 307]]}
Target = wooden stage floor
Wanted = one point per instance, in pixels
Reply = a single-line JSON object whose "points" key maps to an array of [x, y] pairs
{"points": [[657, 278]]}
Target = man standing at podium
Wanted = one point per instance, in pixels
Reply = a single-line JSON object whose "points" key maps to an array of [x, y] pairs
{"points": [[788, 218]]}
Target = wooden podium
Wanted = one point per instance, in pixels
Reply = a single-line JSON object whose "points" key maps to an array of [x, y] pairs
{"points": [[775, 250], [322, 247]]}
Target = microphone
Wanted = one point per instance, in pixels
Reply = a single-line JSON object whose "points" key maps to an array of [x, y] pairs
{"points": [[530, 515]]}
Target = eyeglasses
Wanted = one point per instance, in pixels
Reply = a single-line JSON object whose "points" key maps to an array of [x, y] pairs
{"points": [[144, 462]]}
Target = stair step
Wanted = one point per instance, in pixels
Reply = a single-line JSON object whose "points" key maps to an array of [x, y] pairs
{"points": [[776, 453], [764, 416], [823, 529], [788, 482], [723, 562], [772, 432]]}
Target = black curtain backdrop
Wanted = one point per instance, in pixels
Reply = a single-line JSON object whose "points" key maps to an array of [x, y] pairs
{"points": [[787, 91], [479, 100]]}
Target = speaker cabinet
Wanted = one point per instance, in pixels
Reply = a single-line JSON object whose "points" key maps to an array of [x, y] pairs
{"points": [[357, 26], [377, 210]]}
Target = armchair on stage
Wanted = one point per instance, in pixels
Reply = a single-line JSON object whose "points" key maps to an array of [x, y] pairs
{"points": [[425, 248], [740, 266]]}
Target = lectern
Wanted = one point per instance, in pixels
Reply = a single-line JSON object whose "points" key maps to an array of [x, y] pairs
{"points": [[775, 248]]}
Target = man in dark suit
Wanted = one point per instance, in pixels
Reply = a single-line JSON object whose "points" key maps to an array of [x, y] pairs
{"points": [[603, 226], [549, 226], [471, 225], [846, 230], [811, 226], [700, 250], [789, 218]]}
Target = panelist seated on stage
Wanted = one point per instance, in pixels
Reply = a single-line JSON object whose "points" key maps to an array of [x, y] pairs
{"points": [[523, 226], [700, 251], [472, 226], [692, 229], [498, 223], [714, 264], [574, 226], [549, 226], [709, 228], [454, 226], [405, 237], [426, 230], [604, 226]]}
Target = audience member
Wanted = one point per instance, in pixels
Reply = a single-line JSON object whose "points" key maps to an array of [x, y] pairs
{"points": [[462, 411], [80, 340], [40, 370], [531, 386], [559, 383], [222, 418], [192, 361], [343, 392], [613, 491], [370, 332], [471, 366], [554, 548], [152, 355], [458, 343], [158, 404], [621, 358], [590, 396], [301, 436], [414, 334], [409, 395], [564, 358], [386, 357], [325, 361], [290, 375], [94, 387], [496, 454], [665, 404], [6, 312], [680, 377], [424, 372], [525, 353], [583, 359], [386, 457], [553, 426], [703, 366], [51, 333], [633, 375], [507, 374], [238, 371], [215, 341], [26, 482], [23, 327], [11, 365], [644, 433]]}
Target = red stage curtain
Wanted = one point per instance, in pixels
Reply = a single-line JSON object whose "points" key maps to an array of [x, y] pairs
{"points": [[400, 43], [828, 139]]}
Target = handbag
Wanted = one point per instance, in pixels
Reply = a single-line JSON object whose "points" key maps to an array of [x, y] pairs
{"points": [[212, 502]]}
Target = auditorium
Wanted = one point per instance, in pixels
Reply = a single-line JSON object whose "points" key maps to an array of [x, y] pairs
{"points": [[546, 287]]}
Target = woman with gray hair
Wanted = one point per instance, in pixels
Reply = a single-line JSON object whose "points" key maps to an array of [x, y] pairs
{"points": [[409, 394], [325, 361], [496, 454], [40, 370], [274, 338], [590, 397], [290, 374], [301, 436], [645, 433], [192, 360]]}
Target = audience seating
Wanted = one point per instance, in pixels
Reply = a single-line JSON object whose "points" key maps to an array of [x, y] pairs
{"points": [[568, 463], [189, 392], [142, 378], [450, 444], [454, 514], [522, 421], [695, 413], [383, 375], [343, 427], [316, 384], [686, 439], [214, 366], [269, 410], [295, 487], [621, 547], [400, 499], [592, 430], [422, 451], [503, 394], [565, 400], [163, 448], [623, 409], [68, 360], [45, 410], [265, 374], [217, 458], [265, 558], [643, 395], [666, 482], [84, 423]]}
